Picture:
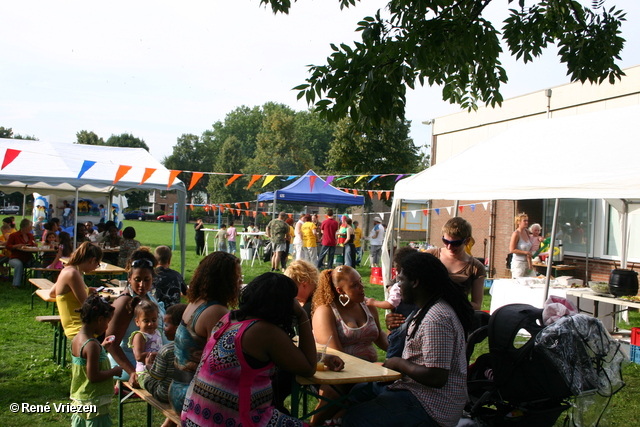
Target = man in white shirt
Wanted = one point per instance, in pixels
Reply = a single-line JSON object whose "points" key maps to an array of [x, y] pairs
{"points": [[376, 237]]}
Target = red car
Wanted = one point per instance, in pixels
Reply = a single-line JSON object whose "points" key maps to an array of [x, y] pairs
{"points": [[163, 218]]}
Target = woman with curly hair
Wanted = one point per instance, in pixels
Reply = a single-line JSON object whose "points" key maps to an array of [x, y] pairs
{"points": [[305, 275], [232, 386], [214, 287], [340, 313]]}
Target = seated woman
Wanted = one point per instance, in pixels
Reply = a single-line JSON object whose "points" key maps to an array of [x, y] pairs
{"points": [[433, 390], [340, 313], [214, 287], [111, 240], [20, 259], [128, 245], [232, 385], [70, 290], [140, 277]]}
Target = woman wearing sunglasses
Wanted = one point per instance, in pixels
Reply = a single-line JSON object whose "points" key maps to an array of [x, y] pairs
{"points": [[140, 274], [463, 269]]}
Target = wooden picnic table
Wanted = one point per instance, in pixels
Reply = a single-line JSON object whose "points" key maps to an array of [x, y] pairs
{"points": [[355, 371]]}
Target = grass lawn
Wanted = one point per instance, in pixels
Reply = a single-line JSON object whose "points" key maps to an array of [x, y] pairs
{"points": [[27, 373]]}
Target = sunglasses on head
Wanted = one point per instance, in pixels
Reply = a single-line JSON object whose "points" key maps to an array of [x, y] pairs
{"points": [[453, 243], [143, 262]]}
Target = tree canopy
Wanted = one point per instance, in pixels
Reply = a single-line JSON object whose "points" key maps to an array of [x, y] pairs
{"points": [[449, 43], [8, 133]]}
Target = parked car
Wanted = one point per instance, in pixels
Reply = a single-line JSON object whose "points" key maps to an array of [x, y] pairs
{"points": [[9, 210], [137, 214], [164, 218]]}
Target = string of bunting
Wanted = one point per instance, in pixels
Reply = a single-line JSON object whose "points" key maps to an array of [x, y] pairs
{"points": [[11, 154]]}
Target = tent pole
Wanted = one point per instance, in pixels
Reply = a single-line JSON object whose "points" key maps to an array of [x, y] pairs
{"points": [[75, 224], [24, 203], [551, 247], [625, 232], [456, 207], [587, 242], [274, 204]]}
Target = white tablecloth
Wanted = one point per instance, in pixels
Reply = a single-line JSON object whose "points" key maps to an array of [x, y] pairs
{"points": [[511, 291]]}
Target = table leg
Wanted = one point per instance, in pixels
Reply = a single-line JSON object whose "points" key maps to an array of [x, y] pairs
{"points": [[206, 243], [295, 398]]}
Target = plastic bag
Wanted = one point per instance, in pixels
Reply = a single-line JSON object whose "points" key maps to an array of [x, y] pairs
{"points": [[555, 307]]}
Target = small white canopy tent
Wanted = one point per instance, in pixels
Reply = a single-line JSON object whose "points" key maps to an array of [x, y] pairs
{"points": [[590, 156], [54, 168]]}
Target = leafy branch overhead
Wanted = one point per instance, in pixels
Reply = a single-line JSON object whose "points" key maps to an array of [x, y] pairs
{"points": [[449, 43]]}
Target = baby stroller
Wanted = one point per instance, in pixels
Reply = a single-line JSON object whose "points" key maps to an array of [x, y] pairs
{"points": [[532, 373]]}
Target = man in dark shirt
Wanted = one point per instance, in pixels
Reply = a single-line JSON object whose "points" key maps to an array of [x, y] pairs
{"points": [[199, 236], [329, 227], [168, 283]]}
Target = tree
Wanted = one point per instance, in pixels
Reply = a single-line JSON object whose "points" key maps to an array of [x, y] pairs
{"points": [[88, 138], [191, 154], [126, 140], [8, 133], [449, 43]]}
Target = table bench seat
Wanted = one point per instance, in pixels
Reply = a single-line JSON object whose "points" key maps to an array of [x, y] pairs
{"points": [[152, 402], [59, 338]]}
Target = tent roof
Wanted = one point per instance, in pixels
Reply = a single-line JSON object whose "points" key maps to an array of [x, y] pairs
{"points": [[53, 168], [592, 156], [321, 194]]}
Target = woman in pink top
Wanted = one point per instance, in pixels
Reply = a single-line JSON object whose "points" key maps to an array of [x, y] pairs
{"points": [[231, 238], [340, 313]]}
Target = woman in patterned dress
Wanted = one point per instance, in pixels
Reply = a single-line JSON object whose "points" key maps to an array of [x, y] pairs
{"points": [[232, 385]]}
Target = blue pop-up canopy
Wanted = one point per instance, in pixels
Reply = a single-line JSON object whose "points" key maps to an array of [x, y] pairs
{"points": [[311, 189]]}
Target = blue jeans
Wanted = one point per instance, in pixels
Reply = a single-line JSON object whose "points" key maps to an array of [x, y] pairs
{"points": [[350, 255], [232, 247], [378, 406], [330, 250], [18, 270]]}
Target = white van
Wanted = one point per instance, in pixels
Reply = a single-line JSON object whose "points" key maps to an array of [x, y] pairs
{"points": [[9, 210]]}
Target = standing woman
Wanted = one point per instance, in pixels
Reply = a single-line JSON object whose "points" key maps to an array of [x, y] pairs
{"points": [[520, 247], [433, 388], [20, 259], [142, 265], [463, 268], [70, 290], [349, 246], [214, 287]]}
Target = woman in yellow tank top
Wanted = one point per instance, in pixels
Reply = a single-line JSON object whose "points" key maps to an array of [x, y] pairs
{"points": [[70, 290]]}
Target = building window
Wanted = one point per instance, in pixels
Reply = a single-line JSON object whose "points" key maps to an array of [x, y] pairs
{"points": [[413, 218], [574, 227], [614, 233]]}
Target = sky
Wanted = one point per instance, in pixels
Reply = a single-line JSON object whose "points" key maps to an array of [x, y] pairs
{"points": [[159, 69]]}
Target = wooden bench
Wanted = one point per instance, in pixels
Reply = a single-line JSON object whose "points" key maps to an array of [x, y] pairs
{"points": [[59, 338], [152, 402], [43, 290]]}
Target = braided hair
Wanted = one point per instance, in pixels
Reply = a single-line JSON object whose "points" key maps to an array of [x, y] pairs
{"points": [[94, 307], [433, 277]]}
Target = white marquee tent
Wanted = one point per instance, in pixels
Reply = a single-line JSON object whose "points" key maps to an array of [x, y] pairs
{"points": [[55, 168], [590, 156]]}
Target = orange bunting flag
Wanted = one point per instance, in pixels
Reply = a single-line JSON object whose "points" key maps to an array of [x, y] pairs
{"points": [[191, 206], [228, 205], [233, 178], [173, 174], [268, 179], [237, 205], [290, 216], [460, 207], [195, 177], [388, 195], [255, 214], [264, 213], [233, 212], [246, 204], [9, 156], [147, 174], [254, 178], [206, 208], [346, 190], [370, 194], [379, 195], [221, 208], [355, 192], [312, 182], [122, 171]]}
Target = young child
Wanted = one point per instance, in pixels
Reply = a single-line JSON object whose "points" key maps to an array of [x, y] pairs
{"points": [[160, 375], [231, 238], [92, 375], [65, 248], [147, 341], [221, 238]]}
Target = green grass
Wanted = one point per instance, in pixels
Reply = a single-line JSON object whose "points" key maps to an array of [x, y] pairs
{"points": [[27, 373]]}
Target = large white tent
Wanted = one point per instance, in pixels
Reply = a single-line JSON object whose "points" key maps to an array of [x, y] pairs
{"points": [[590, 156], [64, 169]]}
